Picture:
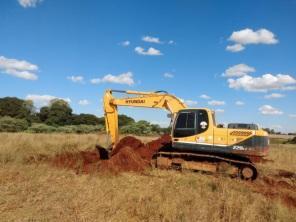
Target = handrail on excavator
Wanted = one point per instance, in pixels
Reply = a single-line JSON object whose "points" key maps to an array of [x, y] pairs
{"points": [[137, 92]]}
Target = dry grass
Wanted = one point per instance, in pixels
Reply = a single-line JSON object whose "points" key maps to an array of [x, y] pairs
{"points": [[281, 136], [283, 156], [38, 192]]}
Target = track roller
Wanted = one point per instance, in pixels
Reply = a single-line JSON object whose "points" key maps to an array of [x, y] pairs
{"points": [[248, 172]]}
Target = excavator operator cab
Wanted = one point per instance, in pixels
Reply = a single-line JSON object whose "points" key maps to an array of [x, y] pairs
{"points": [[190, 122]]}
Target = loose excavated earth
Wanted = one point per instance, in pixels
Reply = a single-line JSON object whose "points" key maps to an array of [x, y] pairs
{"points": [[130, 154]]}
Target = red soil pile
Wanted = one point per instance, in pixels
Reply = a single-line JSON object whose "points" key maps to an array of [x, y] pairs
{"points": [[130, 141], [75, 160], [130, 154], [124, 160]]}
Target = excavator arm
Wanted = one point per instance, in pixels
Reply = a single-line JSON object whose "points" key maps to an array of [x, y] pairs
{"points": [[159, 99]]}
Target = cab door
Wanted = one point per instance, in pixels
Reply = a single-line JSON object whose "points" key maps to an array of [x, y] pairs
{"points": [[192, 130], [204, 129]]}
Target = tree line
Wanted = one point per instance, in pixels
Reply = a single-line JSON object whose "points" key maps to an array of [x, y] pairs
{"points": [[18, 115]]}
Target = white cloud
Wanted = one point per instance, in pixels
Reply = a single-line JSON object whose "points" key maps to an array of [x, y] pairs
{"points": [[168, 75], [289, 88], [263, 83], [78, 79], [235, 48], [238, 70], [204, 96], [292, 115], [43, 100], [125, 43], [239, 103], [150, 51], [124, 78], [248, 36], [216, 103], [190, 102], [269, 110], [18, 68], [274, 96], [219, 110], [29, 3], [151, 39], [83, 102]]}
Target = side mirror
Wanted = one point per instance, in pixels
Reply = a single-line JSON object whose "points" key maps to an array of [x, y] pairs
{"points": [[220, 126], [169, 115]]}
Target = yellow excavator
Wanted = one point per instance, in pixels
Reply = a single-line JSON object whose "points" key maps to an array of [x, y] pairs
{"points": [[197, 142]]}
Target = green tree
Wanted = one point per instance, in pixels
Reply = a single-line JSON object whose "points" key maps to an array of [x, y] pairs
{"points": [[87, 119], [17, 108], [270, 131], [44, 113], [124, 120], [141, 127], [60, 113], [155, 128]]}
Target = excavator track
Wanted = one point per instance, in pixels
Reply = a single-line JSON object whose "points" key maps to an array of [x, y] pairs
{"points": [[205, 162]]}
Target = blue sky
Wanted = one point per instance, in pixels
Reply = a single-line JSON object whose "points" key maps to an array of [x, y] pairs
{"points": [[241, 54]]}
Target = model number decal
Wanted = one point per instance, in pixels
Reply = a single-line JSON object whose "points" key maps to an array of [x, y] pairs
{"points": [[238, 148]]}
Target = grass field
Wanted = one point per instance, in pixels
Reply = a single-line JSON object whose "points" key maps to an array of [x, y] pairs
{"points": [[33, 190]]}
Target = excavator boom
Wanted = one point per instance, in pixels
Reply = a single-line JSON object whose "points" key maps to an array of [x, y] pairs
{"points": [[158, 99]]}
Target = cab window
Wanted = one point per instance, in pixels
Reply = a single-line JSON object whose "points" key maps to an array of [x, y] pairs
{"points": [[185, 124], [185, 121]]}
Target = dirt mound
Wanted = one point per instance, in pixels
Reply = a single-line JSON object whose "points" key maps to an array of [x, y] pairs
{"points": [[124, 160], [75, 161], [130, 154], [152, 147], [130, 141]]}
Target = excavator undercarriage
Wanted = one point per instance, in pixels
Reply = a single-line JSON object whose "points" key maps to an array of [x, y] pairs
{"points": [[205, 162]]}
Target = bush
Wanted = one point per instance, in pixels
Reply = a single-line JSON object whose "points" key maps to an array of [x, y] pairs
{"points": [[80, 129], [9, 124], [41, 128], [66, 129], [88, 128], [291, 141]]}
